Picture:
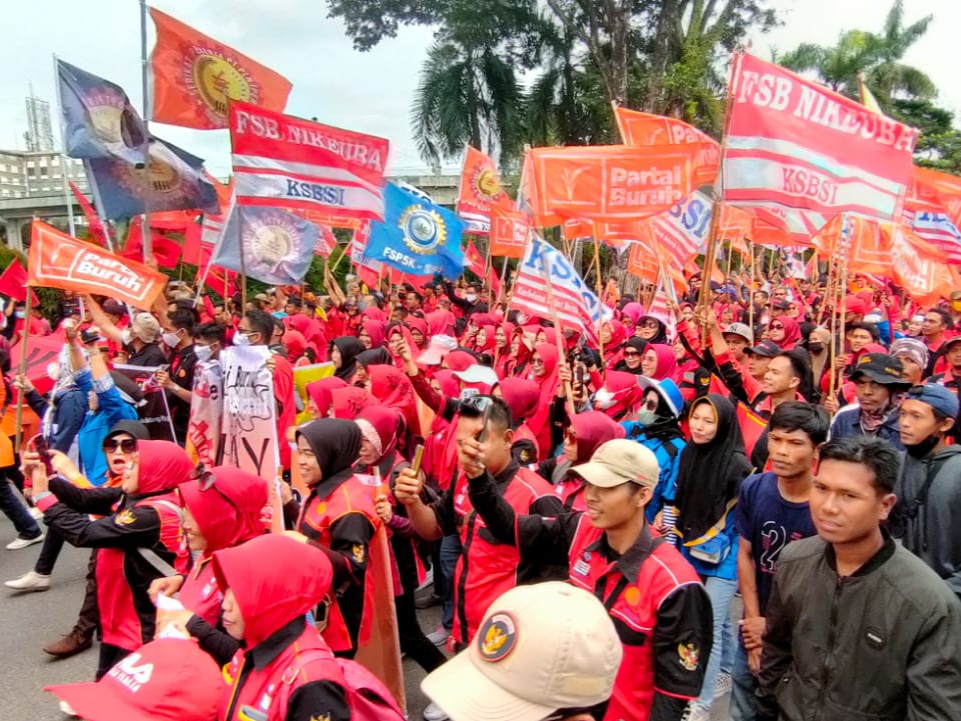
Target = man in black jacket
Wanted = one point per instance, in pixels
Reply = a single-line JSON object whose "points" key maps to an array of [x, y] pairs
{"points": [[857, 626]]}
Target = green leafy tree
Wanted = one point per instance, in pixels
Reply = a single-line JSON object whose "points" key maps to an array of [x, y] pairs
{"points": [[939, 145], [875, 56]]}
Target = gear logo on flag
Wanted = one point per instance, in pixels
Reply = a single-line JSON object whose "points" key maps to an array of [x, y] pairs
{"points": [[424, 230], [486, 184], [217, 78]]}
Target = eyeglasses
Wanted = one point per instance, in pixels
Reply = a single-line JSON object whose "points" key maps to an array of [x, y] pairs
{"points": [[127, 445], [777, 327], [631, 354], [651, 404], [649, 324], [535, 361]]}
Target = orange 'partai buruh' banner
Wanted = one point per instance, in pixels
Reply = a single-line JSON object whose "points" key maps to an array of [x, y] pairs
{"points": [[609, 182], [57, 260], [194, 78], [643, 129]]}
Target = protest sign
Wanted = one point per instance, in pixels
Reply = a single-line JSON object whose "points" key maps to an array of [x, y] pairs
{"points": [[206, 414], [154, 412], [249, 428]]}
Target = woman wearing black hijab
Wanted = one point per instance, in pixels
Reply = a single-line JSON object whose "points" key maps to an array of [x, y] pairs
{"points": [[343, 354], [633, 352], [709, 476], [338, 517]]}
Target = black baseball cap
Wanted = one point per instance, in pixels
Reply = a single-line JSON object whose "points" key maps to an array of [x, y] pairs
{"points": [[880, 368], [765, 349]]}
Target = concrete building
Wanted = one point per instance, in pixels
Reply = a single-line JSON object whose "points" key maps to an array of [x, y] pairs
{"points": [[25, 174]]}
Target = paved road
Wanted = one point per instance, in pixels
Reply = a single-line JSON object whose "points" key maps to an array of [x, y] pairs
{"points": [[31, 620]]}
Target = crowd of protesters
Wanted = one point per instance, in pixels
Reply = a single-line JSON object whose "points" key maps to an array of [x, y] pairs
{"points": [[767, 438]]}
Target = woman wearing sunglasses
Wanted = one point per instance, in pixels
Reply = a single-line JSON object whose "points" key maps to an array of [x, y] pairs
{"points": [[785, 332], [138, 536]]}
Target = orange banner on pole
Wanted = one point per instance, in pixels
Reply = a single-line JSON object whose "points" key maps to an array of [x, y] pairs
{"points": [[510, 232], [644, 129], [610, 182], [480, 191], [57, 260], [194, 78], [642, 262]]}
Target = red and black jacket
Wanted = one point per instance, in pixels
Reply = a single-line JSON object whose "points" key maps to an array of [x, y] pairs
{"points": [[659, 607], [488, 565]]}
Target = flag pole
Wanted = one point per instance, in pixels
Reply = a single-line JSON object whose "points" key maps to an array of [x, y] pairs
{"points": [[63, 157], [600, 296], [750, 287], [145, 84], [22, 373], [98, 203]]}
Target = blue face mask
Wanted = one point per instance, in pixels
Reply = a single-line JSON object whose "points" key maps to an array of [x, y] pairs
{"points": [[20, 314]]}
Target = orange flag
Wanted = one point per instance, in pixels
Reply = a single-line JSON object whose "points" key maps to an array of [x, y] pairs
{"points": [[608, 182], [194, 78], [510, 232], [642, 262], [640, 129], [480, 190], [57, 260]]}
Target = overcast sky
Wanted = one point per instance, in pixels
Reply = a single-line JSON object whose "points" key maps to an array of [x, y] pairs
{"points": [[369, 92]]}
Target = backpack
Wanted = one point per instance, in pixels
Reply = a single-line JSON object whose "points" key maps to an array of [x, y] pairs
{"points": [[368, 698]]}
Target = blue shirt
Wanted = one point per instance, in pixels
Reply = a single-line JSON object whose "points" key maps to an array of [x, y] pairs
{"points": [[769, 523]]}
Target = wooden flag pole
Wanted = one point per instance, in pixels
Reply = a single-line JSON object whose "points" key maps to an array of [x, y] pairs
{"points": [[750, 288], [22, 375], [600, 295], [145, 83], [340, 258]]}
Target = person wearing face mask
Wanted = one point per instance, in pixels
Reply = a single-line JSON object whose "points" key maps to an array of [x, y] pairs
{"points": [[140, 340], [928, 489], [656, 426], [879, 383], [138, 538], [471, 302], [178, 381]]}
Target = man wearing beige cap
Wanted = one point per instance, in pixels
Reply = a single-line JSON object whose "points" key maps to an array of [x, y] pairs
{"points": [[660, 609], [526, 664]]}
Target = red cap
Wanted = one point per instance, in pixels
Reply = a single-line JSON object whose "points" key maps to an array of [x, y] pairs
{"points": [[170, 678], [855, 304]]}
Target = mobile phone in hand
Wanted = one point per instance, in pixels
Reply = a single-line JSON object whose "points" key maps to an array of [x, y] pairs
{"points": [[42, 447], [482, 436]]}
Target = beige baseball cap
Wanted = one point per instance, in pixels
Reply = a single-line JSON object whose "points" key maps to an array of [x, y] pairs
{"points": [[524, 663], [619, 461]]}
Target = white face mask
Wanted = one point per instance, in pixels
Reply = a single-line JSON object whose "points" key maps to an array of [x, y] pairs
{"points": [[241, 340], [203, 353], [171, 339], [126, 337], [470, 297], [603, 399]]}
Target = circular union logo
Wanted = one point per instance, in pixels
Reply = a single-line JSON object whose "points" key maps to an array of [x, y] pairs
{"points": [[486, 184], [423, 230], [162, 179], [497, 637], [217, 78], [271, 242]]}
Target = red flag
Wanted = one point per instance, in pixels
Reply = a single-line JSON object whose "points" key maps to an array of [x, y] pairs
{"points": [[93, 222], [42, 350], [165, 250], [752, 427], [57, 260], [13, 282], [794, 145]]}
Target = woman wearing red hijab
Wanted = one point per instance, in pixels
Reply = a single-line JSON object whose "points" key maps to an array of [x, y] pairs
{"points": [[222, 509], [419, 333], [441, 322], [320, 395], [619, 396], [785, 332], [658, 362], [502, 349], [372, 333], [521, 396], [347, 402], [520, 353], [585, 433], [544, 372], [393, 389], [380, 429], [613, 335], [485, 342]]}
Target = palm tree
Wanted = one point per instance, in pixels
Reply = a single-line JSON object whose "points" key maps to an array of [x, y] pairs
{"points": [[875, 56], [466, 95]]}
